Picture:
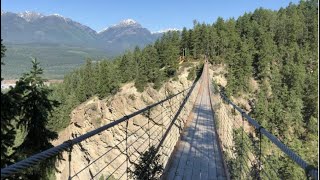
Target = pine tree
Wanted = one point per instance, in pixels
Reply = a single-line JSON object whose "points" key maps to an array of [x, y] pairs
{"points": [[35, 110], [184, 39], [9, 110], [109, 79], [128, 67], [148, 166], [3, 50]]}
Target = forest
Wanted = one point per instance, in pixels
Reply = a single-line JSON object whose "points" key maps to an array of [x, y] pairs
{"points": [[278, 49]]}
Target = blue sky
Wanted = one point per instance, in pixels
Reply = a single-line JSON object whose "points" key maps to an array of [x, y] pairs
{"points": [[154, 15]]}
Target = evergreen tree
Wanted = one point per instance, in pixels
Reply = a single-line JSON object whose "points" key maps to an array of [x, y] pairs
{"points": [[109, 80], [35, 110], [184, 40], [9, 110], [148, 166], [3, 50], [128, 67]]}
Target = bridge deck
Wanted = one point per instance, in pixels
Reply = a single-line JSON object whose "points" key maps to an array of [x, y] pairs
{"points": [[197, 155]]}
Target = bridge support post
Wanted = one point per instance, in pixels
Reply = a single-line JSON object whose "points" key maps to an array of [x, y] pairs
{"points": [[69, 161], [148, 114], [179, 128], [242, 154], [162, 126], [127, 156], [260, 151]]}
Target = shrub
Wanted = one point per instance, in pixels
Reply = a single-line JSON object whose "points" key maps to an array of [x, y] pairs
{"points": [[192, 73], [149, 166]]}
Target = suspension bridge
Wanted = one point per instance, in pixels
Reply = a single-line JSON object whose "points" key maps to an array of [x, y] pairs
{"points": [[188, 147]]}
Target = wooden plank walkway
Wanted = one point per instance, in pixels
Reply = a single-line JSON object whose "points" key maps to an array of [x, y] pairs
{"points": [[197, 155]]}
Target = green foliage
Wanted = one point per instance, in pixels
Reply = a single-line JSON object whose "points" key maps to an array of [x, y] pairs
{"points": [[107, 178], [128, 67], [195, 72], [237, 165], [148, 166], [101, 177], [29, 106], [10, 109], [35, 110], [60, 117], [215, 86], [111, 177], [3, 50], [192, 73]]}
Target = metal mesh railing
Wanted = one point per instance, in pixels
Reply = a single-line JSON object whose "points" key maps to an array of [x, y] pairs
{"points": [[156, 122]]}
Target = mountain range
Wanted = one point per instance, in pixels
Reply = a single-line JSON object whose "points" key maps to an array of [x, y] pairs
{"points": [[61, 42], [32, 27]]}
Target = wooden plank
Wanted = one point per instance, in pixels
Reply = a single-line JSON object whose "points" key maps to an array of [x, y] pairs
{"points": [[183, 160], [175, 162], [200, 157]]}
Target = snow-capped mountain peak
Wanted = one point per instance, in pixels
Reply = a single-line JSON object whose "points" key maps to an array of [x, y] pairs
{"points": [[30, 16], [123, 23]]}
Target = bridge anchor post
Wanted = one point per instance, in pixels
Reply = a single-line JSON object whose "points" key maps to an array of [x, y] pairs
{"points": [[127, 156], [69, 159], [260, 151]]}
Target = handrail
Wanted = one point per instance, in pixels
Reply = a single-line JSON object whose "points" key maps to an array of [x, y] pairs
{"points": [[33, 160], [309, 169]]}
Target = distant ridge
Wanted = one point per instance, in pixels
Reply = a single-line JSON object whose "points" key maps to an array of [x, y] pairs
{"points": [[62, 44], [33, 27]]}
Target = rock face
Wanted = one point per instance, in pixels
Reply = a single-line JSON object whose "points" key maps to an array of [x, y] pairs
{"points": [[111, 145]]}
